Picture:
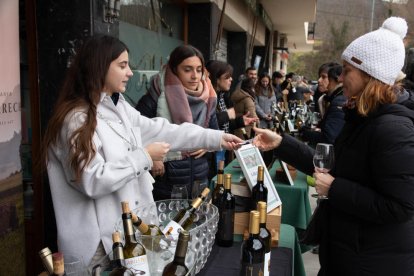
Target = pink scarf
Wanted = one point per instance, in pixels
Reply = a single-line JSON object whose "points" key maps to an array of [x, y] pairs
{"points": [[177, 98]]}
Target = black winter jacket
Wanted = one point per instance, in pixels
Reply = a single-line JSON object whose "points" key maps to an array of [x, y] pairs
{"points": [[371, 201], [331, 123]]}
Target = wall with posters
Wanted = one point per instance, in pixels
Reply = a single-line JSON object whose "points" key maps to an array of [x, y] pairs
{"points": [[12, 261]]}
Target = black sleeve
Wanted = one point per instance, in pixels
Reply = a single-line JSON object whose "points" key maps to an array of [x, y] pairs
{"points": [[147, 106], [296, 153], [236, 123]]}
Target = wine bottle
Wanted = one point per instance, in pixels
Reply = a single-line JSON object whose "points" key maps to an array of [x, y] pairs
{"points": [[134, 251], [265, 235], [58, 264], [259, 191], [253, 249], [177, 266], [245, 136], [117, 267], [185, 217], [46, 257], [219, 189], [153, 234], [145, 229], [226, 207], [220, 169]]}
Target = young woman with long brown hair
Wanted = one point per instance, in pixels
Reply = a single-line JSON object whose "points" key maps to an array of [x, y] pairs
{"points": [[99, 149]]}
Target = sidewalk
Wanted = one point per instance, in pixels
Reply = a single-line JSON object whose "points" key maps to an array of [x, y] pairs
{"points": [[310, 260]]}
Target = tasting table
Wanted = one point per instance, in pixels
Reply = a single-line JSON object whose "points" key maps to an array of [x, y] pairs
{"points": [[296, 210], [286, 259]]}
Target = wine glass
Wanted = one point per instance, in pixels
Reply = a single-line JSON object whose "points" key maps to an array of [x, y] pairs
{"points": [[198, 187], [323, 159], [179, 191]]}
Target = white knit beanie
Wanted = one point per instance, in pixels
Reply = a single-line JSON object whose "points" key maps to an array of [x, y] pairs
{"points": [[380, 53]]}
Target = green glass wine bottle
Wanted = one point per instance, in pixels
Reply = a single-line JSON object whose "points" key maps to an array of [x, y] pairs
{"points": [[259, 191], [134, 252], [253, 249], [117, 267], [265, 235], [177, 267], [219, 189], [185, 217], [226, 208]]}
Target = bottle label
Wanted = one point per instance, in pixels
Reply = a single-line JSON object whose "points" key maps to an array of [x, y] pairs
{"points": [[172, 228], [249, 269], [138, 265], [267, 264], [226, 225]]}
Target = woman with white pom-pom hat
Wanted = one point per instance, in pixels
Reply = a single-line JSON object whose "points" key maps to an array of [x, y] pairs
{"points": [[369, 225]]}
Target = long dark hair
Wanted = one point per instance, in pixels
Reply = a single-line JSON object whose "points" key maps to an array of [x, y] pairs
{"points": [[183, 52], [81, 90], [216, 69]]}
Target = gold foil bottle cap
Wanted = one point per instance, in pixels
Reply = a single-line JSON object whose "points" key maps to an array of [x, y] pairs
{"points": [[205, 192], [260, 173], [227, 181], [197, 202], [220, 180], [254, 222]]}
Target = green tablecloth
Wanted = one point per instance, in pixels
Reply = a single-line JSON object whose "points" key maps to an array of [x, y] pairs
{"points": [[296, 210], [289, 238]]}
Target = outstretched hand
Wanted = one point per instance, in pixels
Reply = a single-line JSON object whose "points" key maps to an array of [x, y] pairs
{"points": [[266, 139], [158, 150], [230, 141], [249, 120]]}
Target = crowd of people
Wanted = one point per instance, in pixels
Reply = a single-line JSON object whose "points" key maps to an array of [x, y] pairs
{"points": [[100, 150]]}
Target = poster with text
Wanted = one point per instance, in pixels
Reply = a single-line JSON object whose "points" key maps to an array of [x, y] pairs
{"points": [[10, 120]]}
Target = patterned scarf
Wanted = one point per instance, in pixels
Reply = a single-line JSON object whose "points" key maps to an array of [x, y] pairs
{"points": [[177, 106], [223, 108]]}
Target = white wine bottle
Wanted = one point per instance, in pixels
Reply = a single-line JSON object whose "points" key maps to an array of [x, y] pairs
{"points": [[177, 267], [117, 267], [185, 217], [265, 235], [134, 252], [145, 229], [46, 257], [259, 191], [153, 234], [226, 208], [253, 249]]}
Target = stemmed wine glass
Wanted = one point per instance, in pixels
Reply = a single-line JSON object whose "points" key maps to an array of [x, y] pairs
{"points": [[179, 191], [323, 159]]}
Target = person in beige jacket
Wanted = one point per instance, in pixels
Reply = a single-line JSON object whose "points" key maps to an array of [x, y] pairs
{"points": [[243, 99]]}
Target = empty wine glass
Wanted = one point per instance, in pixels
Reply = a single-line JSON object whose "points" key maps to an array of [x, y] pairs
{"points": [[198, 187], [179, 191], [323, 159]]}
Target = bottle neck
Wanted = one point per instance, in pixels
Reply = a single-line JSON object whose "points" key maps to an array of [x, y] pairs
{"points": [[128, 229], [181, 251], [118, 254]]}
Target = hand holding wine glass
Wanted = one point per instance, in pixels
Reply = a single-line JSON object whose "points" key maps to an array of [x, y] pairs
{"points": [[324, 160]]}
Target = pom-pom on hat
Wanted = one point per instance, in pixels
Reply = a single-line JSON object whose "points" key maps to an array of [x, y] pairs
{"points": [[380, 53]]}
